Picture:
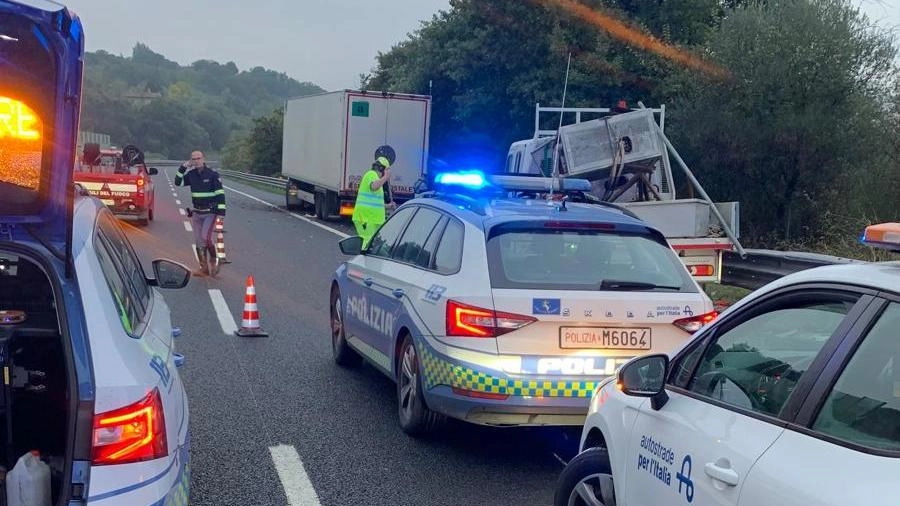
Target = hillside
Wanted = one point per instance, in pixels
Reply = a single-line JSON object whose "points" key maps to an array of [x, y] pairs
{"points": [[168, 109]]}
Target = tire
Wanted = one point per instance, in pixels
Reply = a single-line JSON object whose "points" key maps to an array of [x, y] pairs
{"points": [[150, 214], [343, 354], [320, 205], [415, 417], [588, 473]]}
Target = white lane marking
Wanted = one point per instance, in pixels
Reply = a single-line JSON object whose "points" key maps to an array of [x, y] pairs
{"points": [[297, 487], [180, 210], [194, 252], [222, 311], [295, 215], [188, 227], [178, 203], [174, 194]]}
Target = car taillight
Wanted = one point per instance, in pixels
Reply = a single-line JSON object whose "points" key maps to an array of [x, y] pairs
{"points": [[140, 181], [470, 321], [694, 323], [701, 270], [131, 434]]}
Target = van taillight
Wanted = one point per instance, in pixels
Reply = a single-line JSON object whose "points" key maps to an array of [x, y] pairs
{"points": [[695, 323], [131, 434], [464, 320]]}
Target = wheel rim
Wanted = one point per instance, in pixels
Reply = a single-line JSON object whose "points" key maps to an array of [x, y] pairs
{"points": [[408, 374], [593, 490], [337, 324]]}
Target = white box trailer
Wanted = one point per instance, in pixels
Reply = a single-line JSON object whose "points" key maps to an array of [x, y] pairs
{"points": [[330, 141]]}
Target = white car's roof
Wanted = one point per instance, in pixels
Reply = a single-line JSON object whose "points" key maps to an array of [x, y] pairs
{"points": [[879, 276]]}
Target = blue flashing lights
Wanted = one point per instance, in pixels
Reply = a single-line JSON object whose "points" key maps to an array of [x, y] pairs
{"points": [[472, 179]]}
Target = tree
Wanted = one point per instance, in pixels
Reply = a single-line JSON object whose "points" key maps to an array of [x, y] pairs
{"points": [[803, 110], [487, 63]]}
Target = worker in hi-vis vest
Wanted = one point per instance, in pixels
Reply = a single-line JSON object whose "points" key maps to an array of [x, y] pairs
{"points": [[369, 211]]}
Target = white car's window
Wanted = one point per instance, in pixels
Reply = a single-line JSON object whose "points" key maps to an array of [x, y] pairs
{"points": [[410, 247], [534, 257], [129, 311], [864, 406], [382, 243], [130, 265], [448, 258], [757, 364]]}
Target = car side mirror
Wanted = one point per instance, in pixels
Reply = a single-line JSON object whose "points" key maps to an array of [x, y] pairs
{"points": [[645, 377], [351, 246], [170, 274], [152, 171]]}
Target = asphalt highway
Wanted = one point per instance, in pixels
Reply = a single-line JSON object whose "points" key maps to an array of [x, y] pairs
{"points": [[274, 421]]}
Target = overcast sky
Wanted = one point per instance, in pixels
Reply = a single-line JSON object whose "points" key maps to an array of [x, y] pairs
{"points": [[328, 42]]}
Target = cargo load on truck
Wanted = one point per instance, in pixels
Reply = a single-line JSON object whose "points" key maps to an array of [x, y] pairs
{"points": [[625, 155], [330, 141]]}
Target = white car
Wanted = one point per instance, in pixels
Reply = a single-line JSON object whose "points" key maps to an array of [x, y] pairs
{"points": [[792, 397], [502, 310], [90, 378]]}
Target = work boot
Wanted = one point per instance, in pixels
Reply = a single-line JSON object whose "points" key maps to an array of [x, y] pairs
{"points": [[201, 257], [214, 262]]}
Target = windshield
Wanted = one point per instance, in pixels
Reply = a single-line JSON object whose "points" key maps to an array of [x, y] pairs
{"points": [[25, 69], [587, 259]]}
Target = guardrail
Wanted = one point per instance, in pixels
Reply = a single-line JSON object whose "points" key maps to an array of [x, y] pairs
{"points": [[764, 266], [255, 178]]}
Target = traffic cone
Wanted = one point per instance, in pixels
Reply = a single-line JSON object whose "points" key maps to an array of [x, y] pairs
{"points": [[250, 319], [220, 241]]}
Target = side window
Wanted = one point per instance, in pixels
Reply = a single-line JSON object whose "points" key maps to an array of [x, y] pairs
{"points": [[383, 242], [413, 241], [131, 266], [426, 256], [448, 258], [864, 405], [509, 163], [684, 366], [518, 162], [126, 306], [757, 364]]}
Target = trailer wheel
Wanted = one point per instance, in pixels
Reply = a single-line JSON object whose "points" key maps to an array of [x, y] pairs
{"points": [[321, 213]]}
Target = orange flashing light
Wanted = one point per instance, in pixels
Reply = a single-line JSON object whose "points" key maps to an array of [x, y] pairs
{"points": [[18, 121], [884, 235]]}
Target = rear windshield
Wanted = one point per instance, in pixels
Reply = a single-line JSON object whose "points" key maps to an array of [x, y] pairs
{"points": [[583, 260], [27, 74]]}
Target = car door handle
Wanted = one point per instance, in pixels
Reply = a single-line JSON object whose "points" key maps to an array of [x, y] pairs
{"points": [[399, 293], [368, 281], [726, 475]]}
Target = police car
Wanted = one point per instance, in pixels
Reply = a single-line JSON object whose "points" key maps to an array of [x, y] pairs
{"points": [[489, 303], [89, 366], [790, 397]]}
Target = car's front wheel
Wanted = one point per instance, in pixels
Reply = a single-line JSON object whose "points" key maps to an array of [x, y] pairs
{"points": [[415, 417], [340, 350], [586, 481]]}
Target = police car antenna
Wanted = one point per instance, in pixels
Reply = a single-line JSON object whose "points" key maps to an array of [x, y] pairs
{"points": [[555, 174]]}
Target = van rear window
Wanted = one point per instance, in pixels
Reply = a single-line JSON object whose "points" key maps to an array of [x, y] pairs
{"points": [[21, 131], [27, 94], [583, 259]]}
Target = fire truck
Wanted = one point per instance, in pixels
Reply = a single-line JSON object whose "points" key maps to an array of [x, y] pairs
{"points": [[120, 179]]}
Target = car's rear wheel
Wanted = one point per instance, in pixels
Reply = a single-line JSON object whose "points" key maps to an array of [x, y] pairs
{"points": [[150, 214], [415, 417], [586, 481], [343, 354]]}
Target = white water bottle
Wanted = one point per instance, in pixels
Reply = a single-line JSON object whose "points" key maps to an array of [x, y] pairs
{"points": [[28, 484]]}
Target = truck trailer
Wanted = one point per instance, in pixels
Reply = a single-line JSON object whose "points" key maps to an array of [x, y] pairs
{"points": [[330, 141]]}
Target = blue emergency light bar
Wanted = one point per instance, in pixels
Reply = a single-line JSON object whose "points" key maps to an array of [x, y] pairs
{"points": [[476, 180]]}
